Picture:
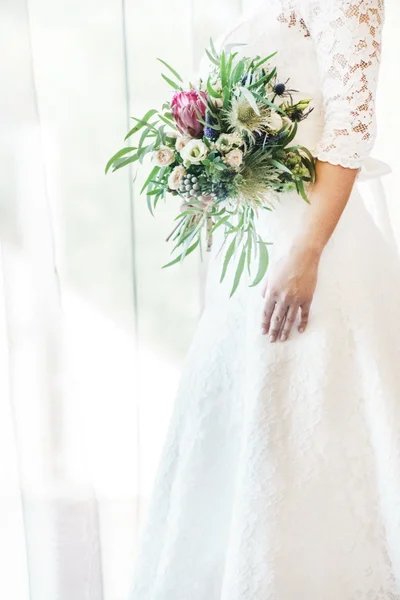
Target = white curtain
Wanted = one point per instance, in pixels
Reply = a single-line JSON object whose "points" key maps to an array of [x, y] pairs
{"points": [[92, 331]]}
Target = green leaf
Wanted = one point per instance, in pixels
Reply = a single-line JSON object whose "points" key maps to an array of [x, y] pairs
{"points": [[227, 95], [269, 103], [150, 177], [263, 81], [213, 50], [249, 251], [143, 136], [179, 78], [237, 73], [203, 122], [239, 272], [227, 259], [250, 99], [264, 60], [212, 59], [170, 82], [301, 190], [122, 163], [142, 123], [179, 258], [117, 155], [211, 90], [219, 223], [263, 262], [291, 136], [229, 47], [166, 121], [312, 161], [148, 199], [224, 79], [280, 166]]}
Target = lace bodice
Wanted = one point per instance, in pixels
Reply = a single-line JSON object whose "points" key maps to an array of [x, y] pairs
{"points": [[331, 50]]}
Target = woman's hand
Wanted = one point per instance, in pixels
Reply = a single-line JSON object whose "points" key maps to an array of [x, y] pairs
{"points": [[289, 291]]}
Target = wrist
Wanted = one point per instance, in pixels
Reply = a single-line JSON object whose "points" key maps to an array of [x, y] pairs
{"points": [[308, 246]]}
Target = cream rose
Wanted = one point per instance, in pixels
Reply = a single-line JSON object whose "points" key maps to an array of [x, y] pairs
{"points": [[217, 102], [234, 158], [163, 157], [275, 121], [194, 152], [181, 142], [175, 178], [226, 141]]}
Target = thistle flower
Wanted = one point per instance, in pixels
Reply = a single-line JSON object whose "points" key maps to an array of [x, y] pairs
{"points": [[209, 132], [297, 112], [280, 89], [244, 120]]}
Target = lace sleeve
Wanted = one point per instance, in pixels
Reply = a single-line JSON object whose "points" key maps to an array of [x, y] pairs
{"points": [[347, 38]]}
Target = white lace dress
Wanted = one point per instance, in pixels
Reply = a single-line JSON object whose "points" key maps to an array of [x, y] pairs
{"points": [[280, 475]]}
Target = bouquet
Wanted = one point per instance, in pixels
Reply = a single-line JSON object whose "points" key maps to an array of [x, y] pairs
{"points": [[224, 147]]}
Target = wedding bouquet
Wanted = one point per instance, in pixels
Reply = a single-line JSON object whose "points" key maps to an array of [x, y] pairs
{"points": [[223, 147]]}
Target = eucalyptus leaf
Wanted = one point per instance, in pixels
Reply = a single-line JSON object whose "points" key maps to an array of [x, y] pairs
{"points": [[149, 178], [239, 272], [142, 123], [249, 252], [228, 256], [170, 82], [213, 50], [175, 73], [122, 163], [166, 121], [262, 263], [118, 155], [219, 223], [212, 59], [179, 258]]}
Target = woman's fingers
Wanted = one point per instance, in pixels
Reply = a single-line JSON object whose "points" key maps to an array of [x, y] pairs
{"points": [[277, 320], [289, 322], [268, 311], [305, 312]]}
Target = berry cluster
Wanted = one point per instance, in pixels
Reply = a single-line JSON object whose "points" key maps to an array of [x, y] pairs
{"points": [[190, 186]]}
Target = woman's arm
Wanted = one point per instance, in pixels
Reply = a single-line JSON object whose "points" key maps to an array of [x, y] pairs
{"points": [[290, 288], [347, 40]]}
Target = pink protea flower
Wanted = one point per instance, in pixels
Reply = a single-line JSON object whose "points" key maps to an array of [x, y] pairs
{"points": [[184, 106]]}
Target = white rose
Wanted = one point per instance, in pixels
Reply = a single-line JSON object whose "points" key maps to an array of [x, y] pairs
{"points": [[194, 152], [176, 177], [234, 158], [181, 141], [163, 157], [275, 121]]}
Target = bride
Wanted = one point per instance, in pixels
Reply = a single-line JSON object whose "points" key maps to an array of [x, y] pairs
{"points": [[280, 475]]}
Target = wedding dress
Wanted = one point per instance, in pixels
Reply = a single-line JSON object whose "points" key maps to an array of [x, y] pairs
{"points": [[280, 474]]}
